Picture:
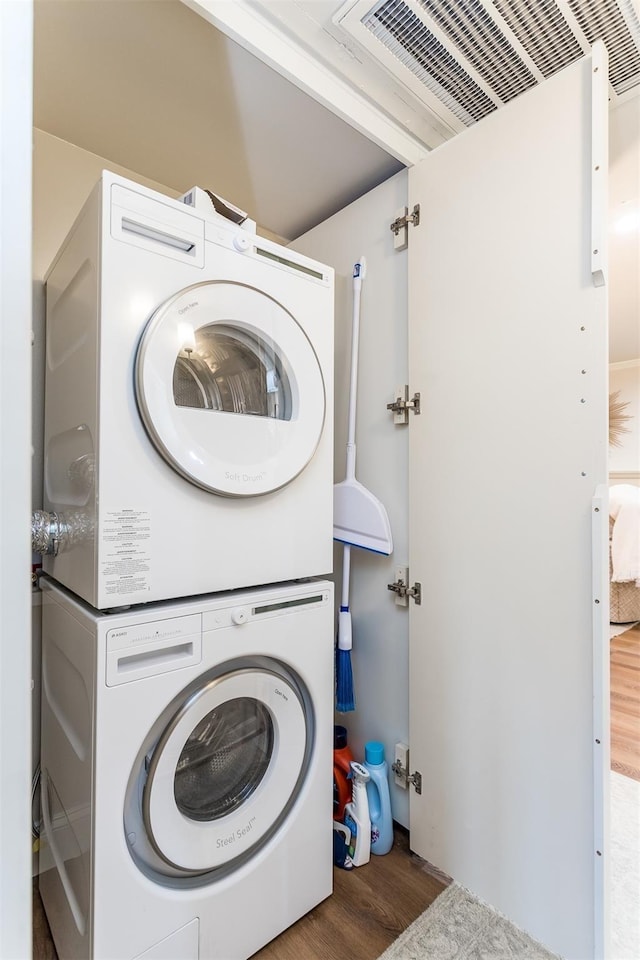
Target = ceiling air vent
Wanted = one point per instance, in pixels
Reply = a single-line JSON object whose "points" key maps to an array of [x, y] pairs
{"points": [[465, 58], [617, 25]]}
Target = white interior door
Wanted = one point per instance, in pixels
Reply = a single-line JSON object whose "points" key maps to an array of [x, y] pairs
{"points": [[508, 349]]}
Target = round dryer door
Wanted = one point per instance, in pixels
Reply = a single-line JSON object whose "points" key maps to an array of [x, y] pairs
{"points": [[230, 389], [222, 776]]}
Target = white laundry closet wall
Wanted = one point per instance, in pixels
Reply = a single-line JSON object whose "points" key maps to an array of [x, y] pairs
{"points": [[380, 627]]}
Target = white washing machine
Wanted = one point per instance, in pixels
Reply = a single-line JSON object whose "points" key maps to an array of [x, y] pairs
{"points": [[188, 404], [186, 772]]}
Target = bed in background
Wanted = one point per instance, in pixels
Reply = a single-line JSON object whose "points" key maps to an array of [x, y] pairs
{"points": [[624, 550]]}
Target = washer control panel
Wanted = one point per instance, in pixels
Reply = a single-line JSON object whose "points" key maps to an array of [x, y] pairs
{"points": [[147, 649]]}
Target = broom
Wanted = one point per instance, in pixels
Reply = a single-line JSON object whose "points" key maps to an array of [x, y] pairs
{"points": [[359, 519], [345, 699]]}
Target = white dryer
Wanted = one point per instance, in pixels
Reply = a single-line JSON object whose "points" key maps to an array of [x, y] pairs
{"points": [[186, 772], [188, 403]]}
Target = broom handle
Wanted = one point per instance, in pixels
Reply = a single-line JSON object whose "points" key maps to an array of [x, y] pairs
{"points": [[359, 270], [346, 569]]}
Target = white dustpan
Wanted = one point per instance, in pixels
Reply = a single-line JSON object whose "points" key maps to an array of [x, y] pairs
{"points": [[359, 519]]}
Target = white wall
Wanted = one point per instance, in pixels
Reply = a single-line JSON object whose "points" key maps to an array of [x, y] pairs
{"points": [[624, 378], [381, 629], [15, 412]]}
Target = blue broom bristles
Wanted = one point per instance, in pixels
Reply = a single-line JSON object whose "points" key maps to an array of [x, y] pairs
{"points": [[345, 699]]}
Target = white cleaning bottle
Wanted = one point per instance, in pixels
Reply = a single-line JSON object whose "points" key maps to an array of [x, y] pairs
{"points": [[356, 816]]}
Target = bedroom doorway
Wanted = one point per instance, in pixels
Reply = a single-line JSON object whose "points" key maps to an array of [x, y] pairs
{"points": [[624, 635], [625, 790], [624, 508]]}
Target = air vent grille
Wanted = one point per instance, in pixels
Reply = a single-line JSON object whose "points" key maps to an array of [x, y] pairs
{"points": [[467, 24], [603, 19], [542, 31], [465, 58], [407, 37]]}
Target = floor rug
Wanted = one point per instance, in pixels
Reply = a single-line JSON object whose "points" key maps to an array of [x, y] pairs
{"points": [[625, 868], [458, 926]]}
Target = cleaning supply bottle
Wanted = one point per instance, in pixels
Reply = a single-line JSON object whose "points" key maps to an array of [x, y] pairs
{"points": [[342, 758], [378, 796], [356, 816]]}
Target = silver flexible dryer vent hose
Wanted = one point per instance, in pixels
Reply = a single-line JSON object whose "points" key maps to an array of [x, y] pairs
{"points": [[45, 532], [52, 533]]}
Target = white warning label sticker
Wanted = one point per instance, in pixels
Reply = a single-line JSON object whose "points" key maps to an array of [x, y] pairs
{"points": [[126, 561]]}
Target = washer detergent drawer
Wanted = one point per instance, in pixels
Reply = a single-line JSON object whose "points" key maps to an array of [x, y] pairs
{"points": [[146, 650]]}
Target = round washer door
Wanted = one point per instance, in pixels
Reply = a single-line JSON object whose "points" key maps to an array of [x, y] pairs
{"points": [[222, 775], [230, 389]]}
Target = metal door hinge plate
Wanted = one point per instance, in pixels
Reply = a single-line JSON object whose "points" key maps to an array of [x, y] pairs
{"points": [[405, 219], [400, 226], [415, 779], [402, 404], [400, 588]]}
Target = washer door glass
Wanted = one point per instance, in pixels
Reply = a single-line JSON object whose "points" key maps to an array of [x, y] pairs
{"points": [[224, 759], [230, 389], [222, 775]]}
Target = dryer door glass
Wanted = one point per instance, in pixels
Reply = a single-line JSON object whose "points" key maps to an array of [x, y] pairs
{"points": [[224, 759], [231, 370], [230, 388]]}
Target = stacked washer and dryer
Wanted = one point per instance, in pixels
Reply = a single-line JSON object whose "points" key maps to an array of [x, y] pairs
{"points": [[187, 706]]}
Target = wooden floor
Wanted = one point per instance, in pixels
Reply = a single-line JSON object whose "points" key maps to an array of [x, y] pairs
{"points": [[43, 948], [370, 907], [625, 703]]}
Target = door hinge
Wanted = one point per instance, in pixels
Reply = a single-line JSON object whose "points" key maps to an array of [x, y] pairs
{"points": [[400, 226], [415, 779], [401, 405], [400, 588]]}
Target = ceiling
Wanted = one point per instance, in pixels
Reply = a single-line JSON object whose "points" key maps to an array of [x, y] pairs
{"points": [[280, 111], [152, 86], [412, 73]]}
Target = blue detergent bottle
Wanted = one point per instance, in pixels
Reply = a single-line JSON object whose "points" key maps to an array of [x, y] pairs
{"points": [[378, 796]]}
